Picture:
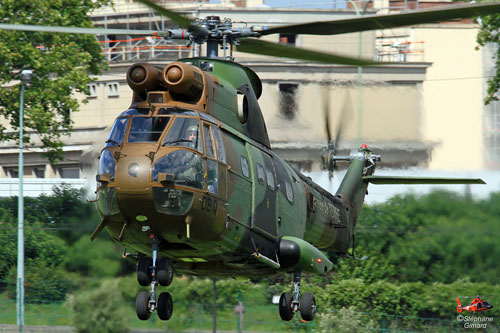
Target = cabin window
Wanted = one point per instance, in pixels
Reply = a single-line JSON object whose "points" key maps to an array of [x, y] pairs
{"points": [[288, 100], [117, 132], [147, 129], [289, 191], [209, 145], [185, 133], [270, 179], [244, 166], [212, 172], [260, 174], [221, 154]]}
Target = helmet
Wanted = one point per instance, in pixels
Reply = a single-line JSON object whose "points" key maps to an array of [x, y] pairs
{"points": [[192, 132]]}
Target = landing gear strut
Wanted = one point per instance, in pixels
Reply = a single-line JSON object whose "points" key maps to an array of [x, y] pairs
{"points": [[153, 272], [291, 303]]}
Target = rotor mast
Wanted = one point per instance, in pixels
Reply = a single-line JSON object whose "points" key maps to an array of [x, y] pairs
{"points": [[214, 32]]}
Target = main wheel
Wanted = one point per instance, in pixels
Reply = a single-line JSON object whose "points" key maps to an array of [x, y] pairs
{"points": [[142, 305], [165, 272], [165, 306], [307, 306], [285, 306], [144, 271]]}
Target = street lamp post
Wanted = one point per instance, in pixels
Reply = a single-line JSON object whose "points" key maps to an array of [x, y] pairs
{"points": [[26, 76]]}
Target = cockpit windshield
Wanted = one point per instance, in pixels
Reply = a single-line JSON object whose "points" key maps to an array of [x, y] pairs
{"points": [[184, 132], [117, 132], [147, 129]]}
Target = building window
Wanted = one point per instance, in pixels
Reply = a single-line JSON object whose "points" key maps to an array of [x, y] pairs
{"points": [[69, 172], [113, 89], [288, 39], [92, 89], [12, 172], [39, 172], [288, 100]]}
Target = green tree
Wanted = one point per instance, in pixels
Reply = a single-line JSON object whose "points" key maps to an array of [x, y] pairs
{"points": [[65, 211], [61, 62], [489, 34], [100, 310]]}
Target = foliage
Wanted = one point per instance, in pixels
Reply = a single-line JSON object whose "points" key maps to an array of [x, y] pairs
{"points": [[440, 236], [489, 34], [37, 244], [61, 63], [344, 320], [98, 259], [43, 282], [99, 310], [65, 211]]}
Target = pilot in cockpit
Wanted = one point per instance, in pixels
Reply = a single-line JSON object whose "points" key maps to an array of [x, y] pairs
{"points": [[192, 136]]}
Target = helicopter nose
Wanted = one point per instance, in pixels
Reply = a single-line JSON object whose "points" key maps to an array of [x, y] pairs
{"points": [[132, 175]]}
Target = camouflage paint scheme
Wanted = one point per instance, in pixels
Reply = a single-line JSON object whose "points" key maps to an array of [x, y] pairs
{"points": [[238, 230]]}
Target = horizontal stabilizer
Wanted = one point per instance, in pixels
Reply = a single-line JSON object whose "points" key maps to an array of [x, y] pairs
{"points": [[392, 180]]}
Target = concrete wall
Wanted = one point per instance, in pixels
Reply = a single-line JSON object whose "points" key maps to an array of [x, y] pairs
{"points": [[453, 95]]}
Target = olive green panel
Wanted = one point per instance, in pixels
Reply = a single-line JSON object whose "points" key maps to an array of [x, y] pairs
{"points": [[291, 213], [311, 258], [239, 186], [264, 197]]}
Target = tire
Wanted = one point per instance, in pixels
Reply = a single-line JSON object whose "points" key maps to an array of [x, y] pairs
{"points": [[142, 305], [285, 306], [307, 306], [165, 273], [144, 271], [165, 306]]}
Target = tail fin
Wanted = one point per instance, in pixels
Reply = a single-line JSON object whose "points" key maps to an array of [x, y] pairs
{"points": [[459, 306]]}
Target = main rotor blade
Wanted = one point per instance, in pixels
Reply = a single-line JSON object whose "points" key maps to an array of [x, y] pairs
{"points": [[377, 22], [75, 30], [179, 19], [278, 50], [393, 180]]}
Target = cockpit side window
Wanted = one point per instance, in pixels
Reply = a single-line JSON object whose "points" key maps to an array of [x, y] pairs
{"points": [[147, 129], [184, 132], [221, 154], [117, 132], [208, 141]]}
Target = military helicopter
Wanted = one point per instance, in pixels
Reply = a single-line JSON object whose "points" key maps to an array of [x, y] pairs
{"points": [[188, 179]]}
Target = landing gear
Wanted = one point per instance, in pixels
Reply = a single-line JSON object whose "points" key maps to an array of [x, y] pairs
{"points": [[289, 304], [153, 272], [165, 272], [165, 306]]}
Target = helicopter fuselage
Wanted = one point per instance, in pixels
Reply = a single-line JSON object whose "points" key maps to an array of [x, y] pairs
{"points": [[194, 169]]}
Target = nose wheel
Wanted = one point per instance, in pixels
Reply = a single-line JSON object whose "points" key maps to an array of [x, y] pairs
{"points": [[290, 303], [153, 272]]}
